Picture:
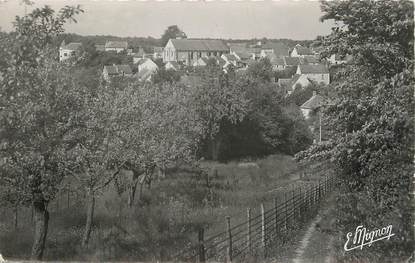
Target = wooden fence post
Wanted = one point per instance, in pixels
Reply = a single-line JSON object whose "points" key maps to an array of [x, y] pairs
{"points": [[248, 237], [319, 189], [285, 210], [300, 204], [228, 222], [202, 257], [276, 215], [293, 210], [325, 186], [263, 228]]}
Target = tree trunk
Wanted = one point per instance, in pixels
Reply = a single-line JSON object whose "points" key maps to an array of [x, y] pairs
{"points": [[41, 215], [162, 171], [16, 217], [140, 194], [89, 218], [215, 146], [132, 190]]}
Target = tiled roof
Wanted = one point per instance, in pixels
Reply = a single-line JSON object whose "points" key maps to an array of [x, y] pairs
{"points": [[118, 69], [310, 59], [72, 46], [284, 81], [116, 44], [158, 49], [144, 60], [125, 69], [99, 47], [230, 57], [111, 70], [292, 61], [199, 45], [303, 50], [243, 55], [174, 64], [279, 49], [313, 103], [144, 74], [221, 62], [276, 61], [313, 69]]}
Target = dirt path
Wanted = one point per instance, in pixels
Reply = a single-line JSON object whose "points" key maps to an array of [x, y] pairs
{"points": [[315, 240], [315, 246]]}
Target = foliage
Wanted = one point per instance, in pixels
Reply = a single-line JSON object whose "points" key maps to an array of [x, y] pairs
{"points": [[166, 75], [39, 104], [171, 32], [370, 122]]}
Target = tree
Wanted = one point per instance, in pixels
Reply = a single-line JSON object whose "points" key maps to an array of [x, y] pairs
{"points": [[217, 100], [104, 144], [261, 70], [171, 32], [370, 122], [39, 105], [163, 75], [169, 131]]}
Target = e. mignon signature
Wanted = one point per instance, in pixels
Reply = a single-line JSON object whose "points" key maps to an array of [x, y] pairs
{"points": [[362, 237]]}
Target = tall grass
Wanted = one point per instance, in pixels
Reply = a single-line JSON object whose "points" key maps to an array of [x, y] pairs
{"points": [[167, 217]]}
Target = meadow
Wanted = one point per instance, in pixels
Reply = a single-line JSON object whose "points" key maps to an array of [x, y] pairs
{"points": [[168, 215]]}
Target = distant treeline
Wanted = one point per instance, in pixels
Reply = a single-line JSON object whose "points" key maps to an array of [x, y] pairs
{"points": [[148, 42]]}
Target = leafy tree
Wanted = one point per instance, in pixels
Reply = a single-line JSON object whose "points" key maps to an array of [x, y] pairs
{"points": [[104, 144], [370, 123], [169, 131], [219, 99], [170, 33], [261, 70], [162, 75], [38, 113]]}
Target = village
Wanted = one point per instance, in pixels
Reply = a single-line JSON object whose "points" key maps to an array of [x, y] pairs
{"points": [[245, 131], [303, 64]]}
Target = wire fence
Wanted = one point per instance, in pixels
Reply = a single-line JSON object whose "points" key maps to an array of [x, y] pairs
{"points": [[259, 234]]}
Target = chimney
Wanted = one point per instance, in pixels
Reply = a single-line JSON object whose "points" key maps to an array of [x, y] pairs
{"points": [[314, 93]]}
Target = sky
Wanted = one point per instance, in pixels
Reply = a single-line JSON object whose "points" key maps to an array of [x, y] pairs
{"points": [[236, 19]]}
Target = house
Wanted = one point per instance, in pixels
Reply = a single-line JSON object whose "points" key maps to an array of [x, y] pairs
{"points": [[278, 49], [71, 50], [146, 63], [138, 54], [313, 60], [117, 46], [312, 104], [173, 65], [201, 62], [289, 85], [100, 47], [146, 68], [300, 51], [231, 59], [291, 61], [318, 73], [244, 53], [337, 59], [158, 52], [116, 71], [190, 50], [276, 62], [145, 75]]}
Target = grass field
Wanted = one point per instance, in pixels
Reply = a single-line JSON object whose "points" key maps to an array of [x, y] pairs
{"points": [[169, 215]]}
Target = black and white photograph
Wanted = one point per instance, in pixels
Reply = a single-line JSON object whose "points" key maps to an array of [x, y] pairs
{"points": [[207, 131]]}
